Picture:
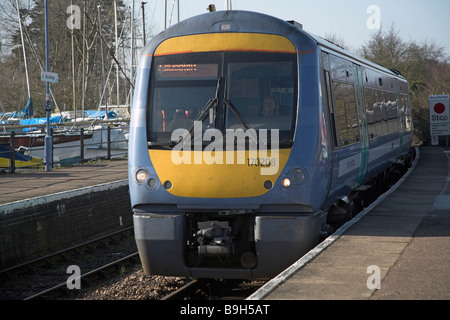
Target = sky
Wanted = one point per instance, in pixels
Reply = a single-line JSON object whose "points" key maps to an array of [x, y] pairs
{"points": [[353, 21]]}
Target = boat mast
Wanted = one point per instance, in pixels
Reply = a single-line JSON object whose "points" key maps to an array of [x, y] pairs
{"points": [[171, 12], [73, 74], [143, 20], [48, 142], [228, 5], [117, 54], [84, 58], [24, 51], [103, 62], [132, 53]]}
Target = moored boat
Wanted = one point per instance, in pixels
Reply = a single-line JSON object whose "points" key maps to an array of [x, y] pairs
{"points": [[21, 160]]}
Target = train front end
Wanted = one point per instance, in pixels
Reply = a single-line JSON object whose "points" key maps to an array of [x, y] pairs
{"points": [[220, 175]]}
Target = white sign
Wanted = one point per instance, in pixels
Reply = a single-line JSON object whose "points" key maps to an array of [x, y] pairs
{"points": [[434, 140], [439, 115], [49, 77]]}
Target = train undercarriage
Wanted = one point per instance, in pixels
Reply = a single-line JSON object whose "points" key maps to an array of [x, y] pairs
{"points": [[349, 206], [224, 244]]}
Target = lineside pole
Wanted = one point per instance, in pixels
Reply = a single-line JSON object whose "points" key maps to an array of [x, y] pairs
{"points": [[48, 138]]}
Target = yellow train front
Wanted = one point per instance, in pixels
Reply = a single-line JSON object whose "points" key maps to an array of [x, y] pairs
{"points": [[229, 162]]}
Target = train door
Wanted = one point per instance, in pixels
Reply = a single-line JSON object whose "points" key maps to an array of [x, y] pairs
{"points": [[363, 133], [329, 114]]}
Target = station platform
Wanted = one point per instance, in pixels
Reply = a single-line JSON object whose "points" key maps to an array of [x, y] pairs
{"points": [[397, 248], [36, 183], [42, 212]]}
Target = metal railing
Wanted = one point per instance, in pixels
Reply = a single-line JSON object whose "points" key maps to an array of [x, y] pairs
{"points": [[70, 146]]}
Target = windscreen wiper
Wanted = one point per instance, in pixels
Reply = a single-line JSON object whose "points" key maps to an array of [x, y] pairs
{"points": [[201, 116], [241, 119]]}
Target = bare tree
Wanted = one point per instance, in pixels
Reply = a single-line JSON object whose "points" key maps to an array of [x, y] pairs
{"points": [[13, 92], [425, 66], [337, 40]]}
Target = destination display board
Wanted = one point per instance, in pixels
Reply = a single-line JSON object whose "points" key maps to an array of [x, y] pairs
{"points": [[186, 71]]}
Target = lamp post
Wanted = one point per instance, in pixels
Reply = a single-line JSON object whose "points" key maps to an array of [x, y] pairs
{"points": [[47, 105]]}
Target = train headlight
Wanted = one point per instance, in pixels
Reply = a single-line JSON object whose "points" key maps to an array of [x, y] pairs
{"points": [[298, 175], [141, 175], [285, 182]]}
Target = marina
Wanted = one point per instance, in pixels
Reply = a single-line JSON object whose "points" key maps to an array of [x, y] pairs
{"points": [[90, 120], [71, 144]]}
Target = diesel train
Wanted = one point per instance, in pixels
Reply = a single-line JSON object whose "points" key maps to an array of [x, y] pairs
{"points": [[250, 137]]}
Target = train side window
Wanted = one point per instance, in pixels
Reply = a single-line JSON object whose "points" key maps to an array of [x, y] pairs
{"points": [[346, 116], [341, 69], [331, 109], [405, 112], [392, 112], [371, 115], [381, 99], [377, 114]]}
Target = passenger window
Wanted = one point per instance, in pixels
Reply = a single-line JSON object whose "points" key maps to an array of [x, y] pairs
{"points": [[346, 116], [381, 108], [371, 116], [331, 109], [392, 112]]}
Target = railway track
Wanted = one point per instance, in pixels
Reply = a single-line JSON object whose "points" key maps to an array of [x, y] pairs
{"points": [[215, 289], [59, 289], [49, 276]]}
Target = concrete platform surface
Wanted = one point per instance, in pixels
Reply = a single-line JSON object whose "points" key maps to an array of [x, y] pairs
{"points": [[398, 248], [36, 183]]}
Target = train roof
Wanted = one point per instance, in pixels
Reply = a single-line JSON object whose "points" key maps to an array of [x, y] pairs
{"points": [[249, 21], [324, 43]]}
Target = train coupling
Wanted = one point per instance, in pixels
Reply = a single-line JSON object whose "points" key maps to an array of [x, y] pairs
{"points": [[214, 238]]}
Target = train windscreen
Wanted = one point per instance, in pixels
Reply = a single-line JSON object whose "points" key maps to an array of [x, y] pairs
{"points": [[222, 91]]}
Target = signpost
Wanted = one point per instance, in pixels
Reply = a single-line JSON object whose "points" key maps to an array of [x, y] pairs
{"points": [[439, 116], [48, 139], [49, 77]]}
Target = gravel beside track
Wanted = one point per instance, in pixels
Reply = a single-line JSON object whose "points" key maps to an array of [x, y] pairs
{"points": [[133, 284]]}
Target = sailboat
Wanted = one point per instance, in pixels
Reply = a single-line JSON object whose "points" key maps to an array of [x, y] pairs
{"points": [[66, 144], [21, 160], [26, 138], [27, 112]]}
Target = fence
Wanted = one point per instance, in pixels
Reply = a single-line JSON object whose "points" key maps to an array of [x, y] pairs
{"points": [[75, 145]]}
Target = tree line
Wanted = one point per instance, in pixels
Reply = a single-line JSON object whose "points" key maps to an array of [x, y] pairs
{"points": [[425, 65], [92, 72]]}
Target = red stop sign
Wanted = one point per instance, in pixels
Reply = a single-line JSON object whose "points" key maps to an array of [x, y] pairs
{"points": [[439, 108]]}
